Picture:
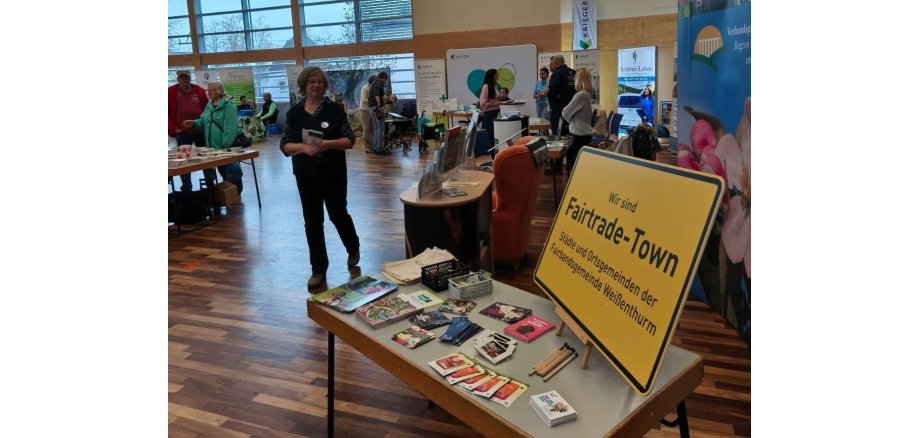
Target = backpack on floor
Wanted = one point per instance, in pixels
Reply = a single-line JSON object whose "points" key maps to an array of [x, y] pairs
{"points": [[190, 206]]}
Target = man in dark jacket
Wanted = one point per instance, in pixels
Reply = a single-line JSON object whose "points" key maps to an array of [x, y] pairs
{"points": [[561, 89]]}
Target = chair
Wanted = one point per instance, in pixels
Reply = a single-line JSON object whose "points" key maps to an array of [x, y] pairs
{"points": [[517, 184], [614, 124]]}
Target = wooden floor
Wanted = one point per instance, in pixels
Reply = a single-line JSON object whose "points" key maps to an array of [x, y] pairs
{"points": [[244, 359]]}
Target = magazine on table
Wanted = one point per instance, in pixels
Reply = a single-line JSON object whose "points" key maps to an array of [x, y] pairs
{"points": [[387, 310], [349, 296], [529, 328], [505, 312]]}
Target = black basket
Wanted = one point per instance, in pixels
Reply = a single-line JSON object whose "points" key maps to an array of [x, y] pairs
{"points": [[435, 276]]}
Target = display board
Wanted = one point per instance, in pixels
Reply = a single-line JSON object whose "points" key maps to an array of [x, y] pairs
{"points": [[589, 59], [204, 77], [714, 135], [616, 260], [636, 69], [516, 65], [293, 71], [238, 82], [430, 84]]}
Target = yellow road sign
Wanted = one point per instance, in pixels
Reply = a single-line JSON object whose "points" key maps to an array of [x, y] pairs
{"points": [[622, 252]]}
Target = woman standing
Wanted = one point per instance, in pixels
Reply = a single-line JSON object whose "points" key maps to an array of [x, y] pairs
{"points": [[539, 94], [578, 114], [648, 105], [221, 126], [490, 105], [319, 168]]}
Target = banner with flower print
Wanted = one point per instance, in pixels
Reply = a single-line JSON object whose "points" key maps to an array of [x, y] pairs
{"points": [[714, 135]]}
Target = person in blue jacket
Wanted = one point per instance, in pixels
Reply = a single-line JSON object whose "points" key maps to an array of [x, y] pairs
{"points": [[648, 106]]}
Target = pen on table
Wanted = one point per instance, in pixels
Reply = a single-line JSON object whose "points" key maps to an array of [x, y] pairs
{"points": [[560, 367], [547, 359], [549, 366]]}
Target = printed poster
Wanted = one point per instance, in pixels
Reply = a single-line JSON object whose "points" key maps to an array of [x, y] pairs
{"points": [[714, 136], [430, 84], [238, 82]]}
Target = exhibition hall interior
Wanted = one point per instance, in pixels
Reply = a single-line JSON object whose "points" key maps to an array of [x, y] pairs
{"points": [[418, 218]]}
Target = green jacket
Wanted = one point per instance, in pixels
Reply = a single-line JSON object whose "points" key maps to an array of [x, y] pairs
{"points": [[220, 125]]}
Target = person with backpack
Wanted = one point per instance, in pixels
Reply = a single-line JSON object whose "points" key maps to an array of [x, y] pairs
{"points": [[578, 113]]}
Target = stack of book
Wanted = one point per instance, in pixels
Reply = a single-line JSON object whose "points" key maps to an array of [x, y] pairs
{"points": [[552, 408]]}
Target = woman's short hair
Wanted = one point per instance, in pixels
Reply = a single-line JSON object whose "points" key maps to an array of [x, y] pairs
{"points": [[305, 74], [544, 70], [583, 80], [220, 87]]}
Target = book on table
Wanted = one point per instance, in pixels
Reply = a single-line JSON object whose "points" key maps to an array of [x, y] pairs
{"points": [[349, 296], [529, 328], [387, 310]]}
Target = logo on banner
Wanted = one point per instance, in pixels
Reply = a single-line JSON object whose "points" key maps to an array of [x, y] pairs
{"points": [[455, 56], [708, 46], [507, 77], [584, 24]]}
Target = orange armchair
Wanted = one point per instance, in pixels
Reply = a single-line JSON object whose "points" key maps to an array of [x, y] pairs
{"points": [[517, 184]]}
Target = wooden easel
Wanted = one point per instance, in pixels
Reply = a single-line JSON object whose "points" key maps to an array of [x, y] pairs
{"points": [[579, 333]]}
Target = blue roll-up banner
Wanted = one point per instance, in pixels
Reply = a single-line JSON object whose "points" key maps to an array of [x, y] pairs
{"points": [[714, 135]]}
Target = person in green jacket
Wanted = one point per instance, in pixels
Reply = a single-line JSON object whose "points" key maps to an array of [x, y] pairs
{"points": [[220, 125]]}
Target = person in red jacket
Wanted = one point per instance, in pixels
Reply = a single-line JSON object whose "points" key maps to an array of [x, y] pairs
{"points": [[186, 102]]}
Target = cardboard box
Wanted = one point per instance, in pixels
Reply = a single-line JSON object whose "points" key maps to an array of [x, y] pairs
{"points": [[225, 194]]}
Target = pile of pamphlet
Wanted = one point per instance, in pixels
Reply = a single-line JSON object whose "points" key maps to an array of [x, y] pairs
{"points": [[553, 409]]}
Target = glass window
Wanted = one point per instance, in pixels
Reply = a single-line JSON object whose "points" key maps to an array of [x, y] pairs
{"points": [[329, 13], [272, 39], [179, 34], [256, 4], [226, 26], [327, 35], [227, 42], [368, 20], [211, 6], [177, 8], [270, 19], [222, 23], [387, 30]]}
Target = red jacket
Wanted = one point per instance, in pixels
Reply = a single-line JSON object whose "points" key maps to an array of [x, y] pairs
{"points": [[176, 125]]}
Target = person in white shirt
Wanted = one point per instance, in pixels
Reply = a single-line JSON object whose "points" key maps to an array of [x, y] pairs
{"points": [[367, 122]]}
